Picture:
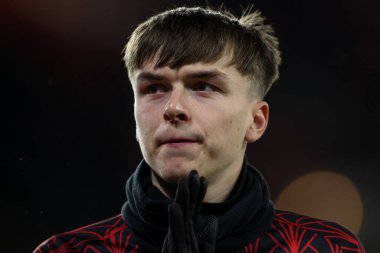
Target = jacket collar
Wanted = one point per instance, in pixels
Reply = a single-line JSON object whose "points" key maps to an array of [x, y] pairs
{"points": [[246, 213]]}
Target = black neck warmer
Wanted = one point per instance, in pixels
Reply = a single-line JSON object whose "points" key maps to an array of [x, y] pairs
{"points": [[246, 213]]}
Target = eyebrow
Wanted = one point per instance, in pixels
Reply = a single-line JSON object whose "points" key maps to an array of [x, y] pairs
{"points": [[208, 74], [195, 75], [150, 76]]}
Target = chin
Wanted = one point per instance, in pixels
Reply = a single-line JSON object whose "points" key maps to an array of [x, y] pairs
{"points": [[172, 174]]}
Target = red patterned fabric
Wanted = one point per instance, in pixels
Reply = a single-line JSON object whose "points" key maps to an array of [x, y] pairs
{"points": [[111, 235], [289, 233]]}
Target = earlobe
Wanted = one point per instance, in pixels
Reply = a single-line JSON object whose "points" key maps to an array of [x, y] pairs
{"points": [[260, 116]]}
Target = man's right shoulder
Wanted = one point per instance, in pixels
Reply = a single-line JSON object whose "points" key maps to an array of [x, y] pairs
{"points": [[104, 236]]}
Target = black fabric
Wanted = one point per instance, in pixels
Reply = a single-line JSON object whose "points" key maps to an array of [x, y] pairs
{"points": [[189, 231], [242, 221], [245, 214]]}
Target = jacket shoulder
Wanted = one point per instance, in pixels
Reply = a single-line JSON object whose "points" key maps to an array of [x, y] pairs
{"points": [[315, 233], [101, 235]]}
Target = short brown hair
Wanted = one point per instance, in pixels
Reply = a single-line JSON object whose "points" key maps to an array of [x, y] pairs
{"points": [[188, 35]]}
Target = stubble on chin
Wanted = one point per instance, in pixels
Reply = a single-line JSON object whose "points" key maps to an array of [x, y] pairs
{"points": [[166, 175], [168, 188]]}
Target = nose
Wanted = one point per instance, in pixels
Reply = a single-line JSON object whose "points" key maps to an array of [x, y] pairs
{"points": [[176, 110]]}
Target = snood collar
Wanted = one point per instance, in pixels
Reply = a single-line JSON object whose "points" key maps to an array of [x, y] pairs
{"points": [[246, 213]]}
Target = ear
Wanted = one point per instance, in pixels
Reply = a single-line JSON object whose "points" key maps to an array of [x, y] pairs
{"points": [[259, 121]]}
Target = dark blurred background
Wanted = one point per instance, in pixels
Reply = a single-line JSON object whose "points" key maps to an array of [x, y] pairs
{"points": [[67, 129]]}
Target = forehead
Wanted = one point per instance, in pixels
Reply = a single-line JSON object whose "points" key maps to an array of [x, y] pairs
{"points": [[221, 69]]}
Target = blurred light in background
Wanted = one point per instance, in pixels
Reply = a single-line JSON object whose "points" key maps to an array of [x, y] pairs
{"points": [[326, 195]]}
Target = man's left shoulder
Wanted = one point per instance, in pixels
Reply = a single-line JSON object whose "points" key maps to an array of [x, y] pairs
{"points": [[314, 233]]}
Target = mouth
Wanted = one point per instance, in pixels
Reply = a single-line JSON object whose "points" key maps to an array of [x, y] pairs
{"points": [[178, 142]]}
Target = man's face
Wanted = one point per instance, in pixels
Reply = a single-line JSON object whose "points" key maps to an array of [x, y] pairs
{"points": [[198, 116]]}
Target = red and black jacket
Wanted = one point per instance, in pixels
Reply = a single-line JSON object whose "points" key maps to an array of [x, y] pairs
{"points": [[247, 223]]}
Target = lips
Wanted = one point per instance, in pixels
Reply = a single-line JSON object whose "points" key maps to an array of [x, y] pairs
{"points": [[178, 140], [175, 141]]}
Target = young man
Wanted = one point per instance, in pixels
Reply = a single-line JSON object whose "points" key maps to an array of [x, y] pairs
{"points": [[199, 78]]}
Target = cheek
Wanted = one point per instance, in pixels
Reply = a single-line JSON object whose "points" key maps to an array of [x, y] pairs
{"points": [[225, 130], [144, 123], [143, 127], [236, 127], [145, 115]]}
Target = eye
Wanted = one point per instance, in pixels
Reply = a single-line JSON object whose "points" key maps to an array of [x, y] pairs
{"points": [[203, 86], [151, 89], [154, 89]]}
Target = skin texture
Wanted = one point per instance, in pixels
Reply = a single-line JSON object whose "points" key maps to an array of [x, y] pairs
{"points": [[199, 116]]}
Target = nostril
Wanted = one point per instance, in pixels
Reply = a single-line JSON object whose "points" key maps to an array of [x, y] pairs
{"points": [[181, 116], [175, 116], [166, 117], [176, 113]]}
